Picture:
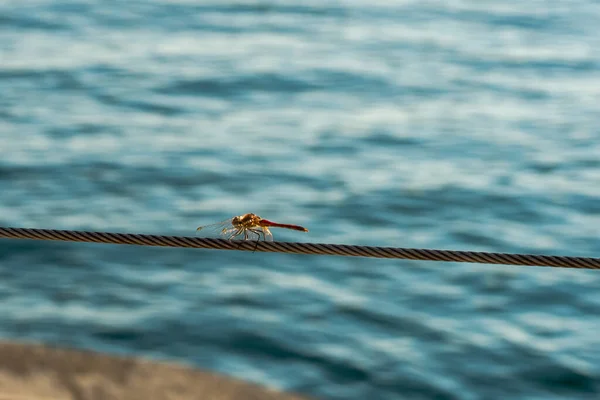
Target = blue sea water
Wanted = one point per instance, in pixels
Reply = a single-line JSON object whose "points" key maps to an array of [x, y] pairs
{"points": [[468, 125]]}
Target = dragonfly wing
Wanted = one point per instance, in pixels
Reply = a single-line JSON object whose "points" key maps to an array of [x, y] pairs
{"points": [[223, 229]]}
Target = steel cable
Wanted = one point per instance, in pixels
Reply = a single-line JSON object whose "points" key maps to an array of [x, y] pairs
{"points": [[302, 248]]}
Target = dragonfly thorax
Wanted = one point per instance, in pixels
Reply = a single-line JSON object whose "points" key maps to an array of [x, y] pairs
{"points": [[246, 221]]}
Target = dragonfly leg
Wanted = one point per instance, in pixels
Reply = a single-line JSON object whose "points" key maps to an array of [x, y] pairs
{"points": [[245, 235], [257, 233], [236, 233]]}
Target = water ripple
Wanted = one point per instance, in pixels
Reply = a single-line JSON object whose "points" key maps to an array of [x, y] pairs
{"points": [[458, 125]]}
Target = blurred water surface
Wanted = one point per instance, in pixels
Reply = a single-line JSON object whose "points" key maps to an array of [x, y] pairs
{"points": [[440, 124]]}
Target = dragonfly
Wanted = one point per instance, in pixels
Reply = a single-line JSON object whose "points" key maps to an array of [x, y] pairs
{"points": [[247, 226]]}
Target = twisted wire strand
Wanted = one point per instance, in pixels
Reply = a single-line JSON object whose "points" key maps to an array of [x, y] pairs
{"points": [[302, 248]]}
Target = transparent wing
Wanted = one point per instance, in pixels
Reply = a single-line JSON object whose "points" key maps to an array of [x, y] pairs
{"points": [[220, 229], [267, 234]]}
